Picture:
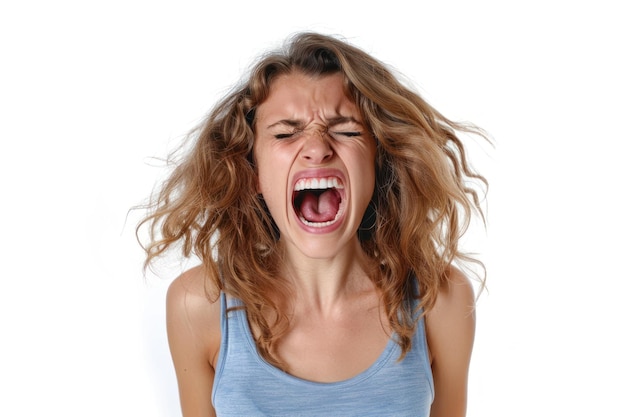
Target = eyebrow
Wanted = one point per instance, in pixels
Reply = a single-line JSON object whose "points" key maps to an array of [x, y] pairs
{"points": [[287, 122], [333, 121]]}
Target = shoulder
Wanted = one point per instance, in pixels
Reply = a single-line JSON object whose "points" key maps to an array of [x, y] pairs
{"points": [[452, 315], [455, 299], [194, 284], [193, 332], [450, 328], [193, 311]]}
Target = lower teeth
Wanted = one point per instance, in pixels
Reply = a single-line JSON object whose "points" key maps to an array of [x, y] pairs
{"points": [[315, 224]]}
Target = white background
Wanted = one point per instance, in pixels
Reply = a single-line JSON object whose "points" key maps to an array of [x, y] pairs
{"points": [[91, 92]]}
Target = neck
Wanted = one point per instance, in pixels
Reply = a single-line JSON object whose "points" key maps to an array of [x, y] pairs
{"points": [[323, 283]]}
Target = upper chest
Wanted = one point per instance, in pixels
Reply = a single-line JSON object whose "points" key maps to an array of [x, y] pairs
{"points": [[336, 348]]}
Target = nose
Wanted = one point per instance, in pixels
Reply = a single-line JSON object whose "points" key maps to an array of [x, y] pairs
{"points": [[317, 148]]}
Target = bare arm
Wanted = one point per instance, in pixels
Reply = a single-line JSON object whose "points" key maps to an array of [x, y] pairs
{"points": [[450, 329], [193, 330]]}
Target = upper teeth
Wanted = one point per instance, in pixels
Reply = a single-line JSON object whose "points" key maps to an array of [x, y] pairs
{"points": [[317, 183]]}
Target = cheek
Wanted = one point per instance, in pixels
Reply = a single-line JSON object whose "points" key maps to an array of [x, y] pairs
{"points": [[263, 173], [368, 168], [365, 181], [270, 181], [264, 184], [369, 186], [272, 166], [369, 176]]}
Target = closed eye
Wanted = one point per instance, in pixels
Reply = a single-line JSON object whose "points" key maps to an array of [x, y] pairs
{"points": [[289, 134], [283, 135], [347, 134]]}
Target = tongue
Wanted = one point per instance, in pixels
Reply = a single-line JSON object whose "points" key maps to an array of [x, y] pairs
{"points": [[322, 208]]}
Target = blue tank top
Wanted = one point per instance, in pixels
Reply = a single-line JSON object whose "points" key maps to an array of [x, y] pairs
{"points": [[247, 385]]}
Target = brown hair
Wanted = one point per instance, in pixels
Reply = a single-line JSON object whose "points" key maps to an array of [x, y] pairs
{"points": [[421, 205]]}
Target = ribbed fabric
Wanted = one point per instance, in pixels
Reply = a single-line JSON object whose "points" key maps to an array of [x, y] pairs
{"points": [[246, 385]]}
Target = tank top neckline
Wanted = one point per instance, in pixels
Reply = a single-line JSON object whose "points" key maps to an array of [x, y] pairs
{"points": [[391, 348]]}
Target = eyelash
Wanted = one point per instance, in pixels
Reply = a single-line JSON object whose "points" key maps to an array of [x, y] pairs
{"points": [[284, 135], [346, 134]]}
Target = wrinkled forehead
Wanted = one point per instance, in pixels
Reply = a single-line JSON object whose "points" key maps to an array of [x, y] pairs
{"points": [[298, 96]]}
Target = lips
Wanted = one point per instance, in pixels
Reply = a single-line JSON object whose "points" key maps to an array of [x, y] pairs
{"points": [[318, 201]]}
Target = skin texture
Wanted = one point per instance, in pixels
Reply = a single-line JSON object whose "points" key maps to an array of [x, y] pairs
{"points": [[450, 328], [193, 329], [308, 128], [325, 136]]}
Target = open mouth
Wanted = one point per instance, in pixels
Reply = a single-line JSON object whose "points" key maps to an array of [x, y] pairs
{"points": [[318, 201]]}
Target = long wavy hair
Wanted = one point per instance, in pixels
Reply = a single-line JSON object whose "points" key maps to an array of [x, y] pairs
{"points": [[421, 207]]}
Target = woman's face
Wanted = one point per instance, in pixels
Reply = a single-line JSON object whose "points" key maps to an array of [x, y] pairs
{"points": [[315, 160]]}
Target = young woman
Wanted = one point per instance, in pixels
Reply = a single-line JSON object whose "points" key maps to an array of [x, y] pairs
{"points": [[325, 201]]}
